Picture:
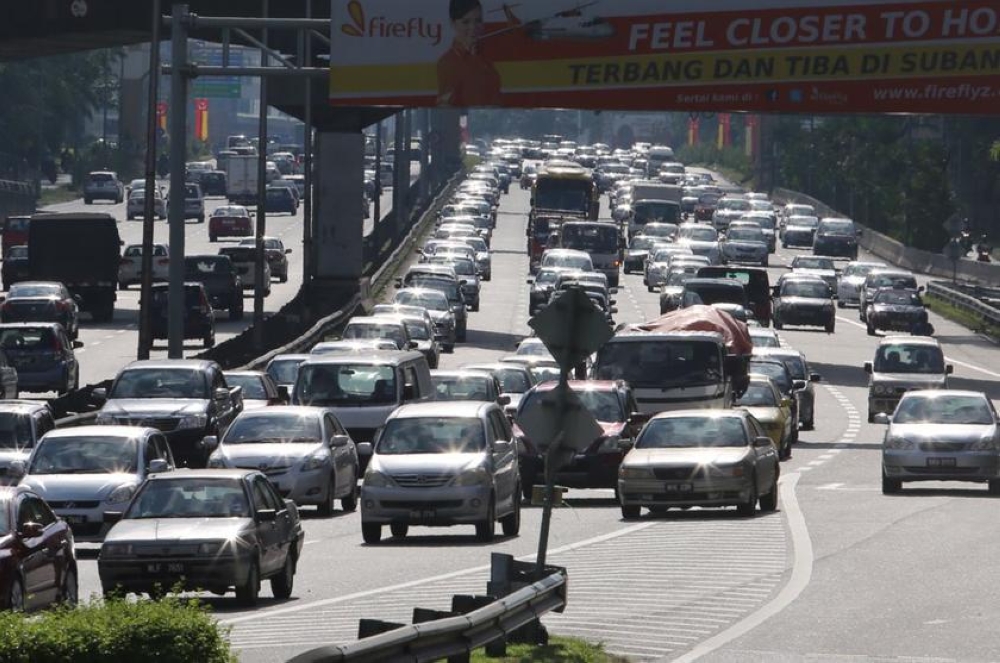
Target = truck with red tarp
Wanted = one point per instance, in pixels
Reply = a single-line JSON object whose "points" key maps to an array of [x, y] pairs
{"points": [[697, 357]]}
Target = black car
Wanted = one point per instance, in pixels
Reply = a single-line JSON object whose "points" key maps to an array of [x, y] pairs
{"points": [[223, 284], [15, 266], [42, 301], [898, 310], [836, 237], [804, 300], [280, 199], [199, 319], [213, 182]]}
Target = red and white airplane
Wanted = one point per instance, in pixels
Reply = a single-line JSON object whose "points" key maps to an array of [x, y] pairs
{"points": [[569, 23]]}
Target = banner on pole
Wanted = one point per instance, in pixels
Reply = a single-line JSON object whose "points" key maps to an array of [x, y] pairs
{"points": [[201, 119]]}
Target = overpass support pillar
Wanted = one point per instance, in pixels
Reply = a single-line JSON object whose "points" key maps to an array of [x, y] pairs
{"points": [[339, 231], [445, 142]]}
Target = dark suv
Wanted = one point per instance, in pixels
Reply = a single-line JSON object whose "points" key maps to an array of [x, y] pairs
{"points": [[199, 319], [222, 283]]}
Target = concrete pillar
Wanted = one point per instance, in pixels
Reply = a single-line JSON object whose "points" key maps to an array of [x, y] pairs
{"points": [[446, 141], [340, 160]]}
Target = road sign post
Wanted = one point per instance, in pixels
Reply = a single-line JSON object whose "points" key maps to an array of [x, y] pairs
{"points": [[953, 251]]}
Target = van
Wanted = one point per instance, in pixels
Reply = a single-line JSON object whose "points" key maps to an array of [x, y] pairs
{"points": [[363, 389], [837, 238], [756, 282]]}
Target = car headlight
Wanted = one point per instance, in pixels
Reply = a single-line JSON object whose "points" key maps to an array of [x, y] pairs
{"points": [[120, 494], [316, 461], [211, 547], [116, 550], [987, 442], [882, 390], [216, 462], [476, 476], [635, 473], [375, 479], [898, 443], [193, 421]]}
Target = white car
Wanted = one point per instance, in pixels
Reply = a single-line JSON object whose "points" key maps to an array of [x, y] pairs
{"points": [[851, 280], [136, 205], [130, 269]]}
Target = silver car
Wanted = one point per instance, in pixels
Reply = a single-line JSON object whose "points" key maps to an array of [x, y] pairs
{"points": [[130, 269], [304, 451], [440, 464], [745, 244], [941, 435], [136, 206], [83, 472], [851, 281]]}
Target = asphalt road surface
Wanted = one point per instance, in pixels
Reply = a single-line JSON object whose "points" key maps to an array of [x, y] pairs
{"points": [[839, 573]]}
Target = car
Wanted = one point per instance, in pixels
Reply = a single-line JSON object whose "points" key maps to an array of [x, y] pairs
{"points": [[700, 458], [199, 318], [244, 259], [542, 286], [659, 262], [370, 327], [673, 288], [276, 255], [214, 182], [702, 239], [84, 471], [804, 300], [230, 221], [15, 232], [442, 464], [897, 310], [727, 209], [767, 222], [884, 278], [803, 380], [941, 435], [441, 312], [284, 370], [419, 327], [42, 301], [221, 280], [781, 377], [130, 269], [22, 424], [194, 202], [745, 244], [638, 249], [467, 385], [42, 355], [136, 205], [259, 389], [452, 291], [280, 199], [38, 566], [353, 346], [799, 231], [231, 530], [755, 281], [187, 399], [818, 266], [772, 410], [103, 185], [728, 294], [570, 258], [281, 182], [902, 364], [305, 452], [515, 381], [764, 338], [851, 279], [836, 237], [15, 266], [467, 273]]}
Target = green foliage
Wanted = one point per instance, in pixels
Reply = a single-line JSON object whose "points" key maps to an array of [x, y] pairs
{"points": [[559, 650], [168, 631], [732, 160], [995, 151]]}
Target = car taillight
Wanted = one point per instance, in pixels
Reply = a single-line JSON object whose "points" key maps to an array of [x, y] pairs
{"points": [[62, 306], [163, 261]]}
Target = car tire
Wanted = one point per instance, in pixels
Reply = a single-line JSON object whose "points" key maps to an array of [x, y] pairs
{"points": [[209, 341], [830, 327], [890, 486], [486, 529], [349, 502], [511, 523], [281, 584], [88, 201], [778, 325], [371, 532], [236, 313], [325, 508], [749, 508], [283, 278], [631, 511], [399, 530], [650, 288], [449, 348], [16, 598], [871, 329], [213, 238], [994, 487], [769, 502], [201, 219], [248, 593]]}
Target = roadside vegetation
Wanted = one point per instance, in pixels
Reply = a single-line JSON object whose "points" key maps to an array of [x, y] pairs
{"points": [[962, 317], [559, 650]]}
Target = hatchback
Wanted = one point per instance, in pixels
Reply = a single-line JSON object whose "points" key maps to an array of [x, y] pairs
{"points": [[43, 356]]}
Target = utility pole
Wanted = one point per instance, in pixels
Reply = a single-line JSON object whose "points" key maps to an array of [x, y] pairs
{"points": [[178, 156], [146, 286], [261, 224], [307, 143]]}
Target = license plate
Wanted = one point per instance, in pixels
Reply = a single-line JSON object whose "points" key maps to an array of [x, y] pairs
{"points": [[75, 520], [940, 462], [678, 487], [423, 514], [168, 567]]}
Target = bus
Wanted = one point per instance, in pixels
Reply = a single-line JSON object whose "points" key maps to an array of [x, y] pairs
{"points": [[564, 188], [601, 239]]}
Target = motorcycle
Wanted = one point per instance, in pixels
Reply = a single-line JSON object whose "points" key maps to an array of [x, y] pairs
{"points": [[983, 253]]}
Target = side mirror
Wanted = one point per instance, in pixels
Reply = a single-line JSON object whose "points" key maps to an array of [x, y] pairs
{"points": [[77, 345], [869, 368], [638, 418], [283, 393], [949, 369], [112, 517], [614, 310], [339, 440], [882, 418], [17, 469], [100, 394], [158, 466], [815, 377], [267, 515], [761, 442], [409, 392], [221, 394], [799, 384], [503, 399], [287, 251], [31, 530], [612, 302], [364, 448], [210, 443], [530, 281]]}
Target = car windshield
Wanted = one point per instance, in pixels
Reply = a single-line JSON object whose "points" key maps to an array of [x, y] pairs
{"points": [[432, 301], [712, 294], [15, 431], [393, 332], [33, 290], [775, 370], [431, 435], [901, 281], [346, 384], [253, 386], [738, 204], [757, 395], [898, 298], [660, 363], [903, 358], [544, 373], [461, 388], [284, 371], [813, 263], [160, 383], [643, 243], [533, 349], [190, 498], [809, 289], [764, 340], [944, 409], [590, 237], [697, 431], [745, 235], [859, 270], [512, 381], [89, 454], [28, 338], [837, 228], [803, 221], [699, 234], [274, 426], [572, 262]]}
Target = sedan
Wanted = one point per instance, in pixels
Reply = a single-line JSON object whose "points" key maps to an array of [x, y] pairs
{"points": [[851, 281], [438, 307], [638, 249], [37, 558], [276, 255], [304, 451], [130, 269], [700, 458], [774, 412], [284, 369], [804, 300], [259, 388], [203, 529], [802, 381], [136, 205], [230, 221], [42, 301], [899, 311], [43, 356], [745, 244], [941, 435], [467, 385]]}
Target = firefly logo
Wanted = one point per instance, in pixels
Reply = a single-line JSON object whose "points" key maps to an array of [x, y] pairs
{"points": [[383, 28]]}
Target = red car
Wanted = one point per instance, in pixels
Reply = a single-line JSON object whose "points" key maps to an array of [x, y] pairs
{"points": [[15, 232], [37, 559], [230, 221], [704, 209]]}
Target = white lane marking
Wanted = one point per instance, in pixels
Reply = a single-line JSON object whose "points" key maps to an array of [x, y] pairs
{"points": [[963, 364], [802, 566], [829, 486], [424, 581]]}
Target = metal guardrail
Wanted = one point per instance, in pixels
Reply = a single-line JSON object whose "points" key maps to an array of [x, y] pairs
{"points": [[960, 300], [455, 636]]}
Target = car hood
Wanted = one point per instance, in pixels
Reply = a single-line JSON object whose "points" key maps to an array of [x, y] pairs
{"points": [[444, 463], [896, 308], [745, 244], [942, 432], [178, 529], [175, 407], [275, 454], [686, 456], [82, 487], [853, 281], [697, 245], [799, 229], [929, 379], [439, 316]]}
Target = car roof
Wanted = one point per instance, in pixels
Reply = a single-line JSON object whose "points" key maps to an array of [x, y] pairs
{"points": [[199, 364], [442, 409], [913, 340], [124, 432], [708, 413], [244, 373], [382, 358], [584, 385], [194, 475], [777, 352], [292, 356], [301, 410], [461, 372], [375, 320], [23, 406], [944, 392]]}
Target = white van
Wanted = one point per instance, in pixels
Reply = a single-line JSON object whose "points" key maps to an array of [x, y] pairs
{"points": [[363, 389]]}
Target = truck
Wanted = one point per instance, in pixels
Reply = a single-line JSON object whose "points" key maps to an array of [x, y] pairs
{"points": [[693, 358], [241, 179], [653, 201], [564, 188], [81, 251]]}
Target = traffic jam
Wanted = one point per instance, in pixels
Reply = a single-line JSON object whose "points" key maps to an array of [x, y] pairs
{"points": [[199, 478]]}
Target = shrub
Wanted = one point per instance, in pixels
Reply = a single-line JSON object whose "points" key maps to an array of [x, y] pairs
{"points": [[169, 631]]}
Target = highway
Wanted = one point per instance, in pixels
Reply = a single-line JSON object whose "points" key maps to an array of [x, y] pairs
{"points": [[839, 573]]}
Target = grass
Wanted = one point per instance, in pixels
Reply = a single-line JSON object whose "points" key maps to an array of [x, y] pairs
{"points": [[559, 650], [60, 194], [961, 316]]}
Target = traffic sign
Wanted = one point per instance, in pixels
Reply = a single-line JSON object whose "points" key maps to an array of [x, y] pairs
{"points": [[544, 420], [571, 327], [954, 225], [953, 250]]}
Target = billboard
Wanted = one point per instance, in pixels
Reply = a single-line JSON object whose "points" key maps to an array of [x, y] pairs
{"points": [[815, 56]]}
